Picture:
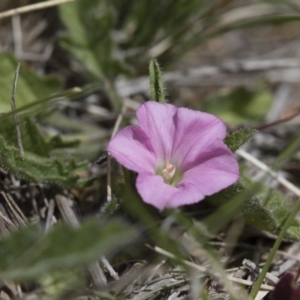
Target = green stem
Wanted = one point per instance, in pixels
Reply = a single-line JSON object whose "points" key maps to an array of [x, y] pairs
{"points": [[277, 243], [113, 95]]}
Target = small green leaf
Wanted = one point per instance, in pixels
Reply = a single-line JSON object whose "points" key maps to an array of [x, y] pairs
{"points": [[28, 253], [39, 169], [30, 86], [238, 138], [240, 105], [59, 282], [37, 142], [56, 142], [34, 142], [156, 82]]}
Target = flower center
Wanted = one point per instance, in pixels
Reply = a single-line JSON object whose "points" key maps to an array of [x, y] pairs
{"points": [[169, 171]]}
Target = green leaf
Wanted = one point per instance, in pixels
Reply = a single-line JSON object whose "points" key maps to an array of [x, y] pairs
{"points": [[32, 139], [77, 133], [240, 105], [60, 282], [267, 210], [156, 82], [38, 169], [56, 142], [30, 86], [89, 26], [89, 34], [28, 253], [140, 30], [262, 207], [238, 138], [44, 160]]}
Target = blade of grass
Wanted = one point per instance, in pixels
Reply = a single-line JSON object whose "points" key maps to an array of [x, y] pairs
{"points": [[13, 108], [288, 152], [211, 255], [204, 270], [261, 277]]}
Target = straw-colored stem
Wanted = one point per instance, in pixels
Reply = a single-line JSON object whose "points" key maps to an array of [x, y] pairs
{"points": [[116, 128], [269, 171], [32, 7]]}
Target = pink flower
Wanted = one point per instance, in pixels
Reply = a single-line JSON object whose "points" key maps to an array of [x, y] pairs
{"points": [[286, 289], [178, 153]]}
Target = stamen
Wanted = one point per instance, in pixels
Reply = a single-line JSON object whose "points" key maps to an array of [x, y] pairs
{"points": [[169, 171]]}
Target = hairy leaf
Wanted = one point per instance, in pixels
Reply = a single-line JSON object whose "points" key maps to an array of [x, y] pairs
{"points": [[156, 82], [32, 139], [38, 169], [262, 207], [238, 138], [28, 253]]}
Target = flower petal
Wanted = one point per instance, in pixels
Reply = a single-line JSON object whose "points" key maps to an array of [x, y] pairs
{"points": [[195, 132], [217, 157], [284, 288], [157, 120], [131, 148], [153, 190], [187, 193], [213, 171]]}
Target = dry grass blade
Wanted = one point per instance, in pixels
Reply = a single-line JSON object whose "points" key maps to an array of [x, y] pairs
{"points": [[66, 210], [252, 266], [5, 220], [94, 271], [198, 76], [208, 272], [128, 278], [32, 7], [16, 211], [149, 291], [116, 128], [50, 215], [109, 268], [269, 171]]}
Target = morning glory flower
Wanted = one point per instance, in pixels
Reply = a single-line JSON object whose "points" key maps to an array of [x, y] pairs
{"points": [[178, 153]]}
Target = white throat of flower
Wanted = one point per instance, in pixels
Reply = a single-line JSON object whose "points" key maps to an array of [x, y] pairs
{"points": [[169, 171]]}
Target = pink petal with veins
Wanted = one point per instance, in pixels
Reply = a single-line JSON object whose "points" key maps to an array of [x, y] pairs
{"points": [[167, 137], [153, 190], [156, 120], [195, 132], [207, 178], [132, 148]]}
